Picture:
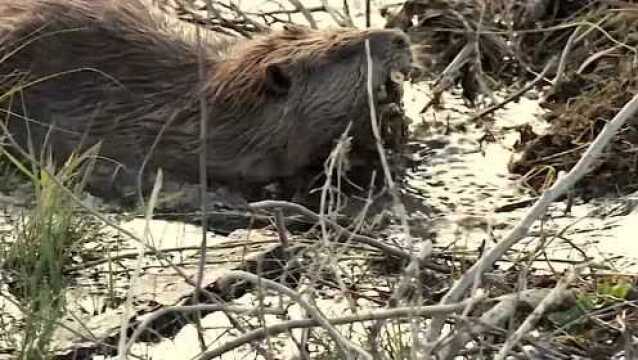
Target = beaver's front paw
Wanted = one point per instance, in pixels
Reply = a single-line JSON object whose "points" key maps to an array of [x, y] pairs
{"points": [[224, 199], [188, 199]]}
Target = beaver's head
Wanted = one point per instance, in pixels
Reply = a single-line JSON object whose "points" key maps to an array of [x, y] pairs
{"points": [[300, 61], [296, 90]]}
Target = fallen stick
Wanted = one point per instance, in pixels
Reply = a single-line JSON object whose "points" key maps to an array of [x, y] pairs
{"points": [[149, 320], [562, 185], [343, 232], [555, 296]]}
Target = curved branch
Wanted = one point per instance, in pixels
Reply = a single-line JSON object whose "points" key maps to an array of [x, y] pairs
{"points": [[189, 309], [346, 344], [358, 238], [396, 313]]}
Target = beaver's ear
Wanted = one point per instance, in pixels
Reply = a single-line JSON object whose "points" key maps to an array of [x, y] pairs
{"points": [[277, 81]]}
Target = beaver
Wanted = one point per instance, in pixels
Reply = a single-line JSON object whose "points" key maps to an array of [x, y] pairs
{"points": [[128, 76]]}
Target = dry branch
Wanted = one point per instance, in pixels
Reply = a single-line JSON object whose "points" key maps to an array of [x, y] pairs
{"points": [[189, 309], [307, 14], [450, 73]]}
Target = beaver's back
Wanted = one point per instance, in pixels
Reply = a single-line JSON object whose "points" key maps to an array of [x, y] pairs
{"points": [[121, 39], [75, 56], [107, 70]]}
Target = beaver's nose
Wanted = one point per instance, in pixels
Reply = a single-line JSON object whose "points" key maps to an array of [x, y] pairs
{"points": [[407, 65]]}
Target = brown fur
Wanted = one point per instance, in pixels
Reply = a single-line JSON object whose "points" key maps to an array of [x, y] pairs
{"points": [[245, 80], [122, 73]]}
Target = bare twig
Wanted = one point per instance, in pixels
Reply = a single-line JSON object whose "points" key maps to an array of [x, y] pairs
{"points": [[203, 190], [540, 77], [135, 254], [346, 12], [215, 17], [122, 348], [563, 59], [280, 224], [307, 14], [340, 19], [311, 9], [247, 18], [595, 57], [495, 317], [451, 71], [399, 208], [411, 272]]}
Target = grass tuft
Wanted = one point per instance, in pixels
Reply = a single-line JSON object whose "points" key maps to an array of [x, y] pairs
{"points": [[44, 242]]}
